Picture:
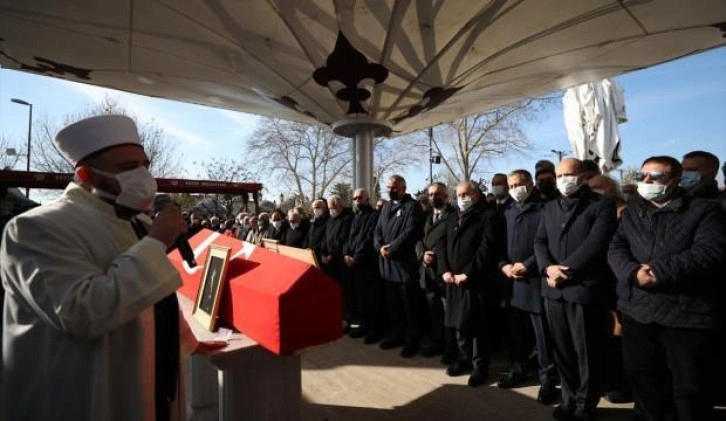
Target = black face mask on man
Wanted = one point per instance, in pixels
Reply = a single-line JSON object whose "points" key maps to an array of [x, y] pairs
{"points": [[438, 202], [393, 194]]}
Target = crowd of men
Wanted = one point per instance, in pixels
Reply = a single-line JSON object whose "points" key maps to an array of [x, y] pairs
{"points": [[616, 290]]}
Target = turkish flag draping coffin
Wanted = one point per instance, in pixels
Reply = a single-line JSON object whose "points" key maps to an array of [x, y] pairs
{"points": [[281, 303]]}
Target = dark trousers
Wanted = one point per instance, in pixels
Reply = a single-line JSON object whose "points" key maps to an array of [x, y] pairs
{"points": [[404, 311], [370, 297], [614, 378], [523, 325], [341, 274], [441, 336], [474, 343], [576, 332], [662, 360]]}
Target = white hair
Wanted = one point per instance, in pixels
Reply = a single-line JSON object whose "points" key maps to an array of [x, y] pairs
{"points": [[337, 200]]}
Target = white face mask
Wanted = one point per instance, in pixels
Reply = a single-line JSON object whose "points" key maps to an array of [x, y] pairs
{"points": [[333, 213], [318, 212], [651, 192], [464, 203], [519, 194], [499, 191], [567, 184], [277, 224], [601, 192], [138, 188], [294, 225]]}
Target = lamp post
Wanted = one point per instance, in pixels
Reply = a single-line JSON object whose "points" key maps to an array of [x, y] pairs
{"points": [[30, 126], [559, 154]]}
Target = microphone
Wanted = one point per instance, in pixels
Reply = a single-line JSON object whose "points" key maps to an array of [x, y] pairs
{"points": [[185, 250]]}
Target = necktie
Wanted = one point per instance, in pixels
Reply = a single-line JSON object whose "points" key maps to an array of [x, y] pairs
{"points": [[437, 215]]}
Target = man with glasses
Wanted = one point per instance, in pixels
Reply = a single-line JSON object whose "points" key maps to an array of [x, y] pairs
{"points": [[361, 259], [571, 250], [668, 254]]}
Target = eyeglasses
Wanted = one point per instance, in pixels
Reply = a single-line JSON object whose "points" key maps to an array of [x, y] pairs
{"points": [[653, 175]]}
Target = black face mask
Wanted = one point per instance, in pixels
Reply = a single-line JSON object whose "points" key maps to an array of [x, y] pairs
{"points": [[438, 202], [393, 194], [547, 188]]}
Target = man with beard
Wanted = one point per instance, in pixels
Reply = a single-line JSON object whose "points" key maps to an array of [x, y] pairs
{"points": [[361, 259], [570, 247], [399, 227], [466, 266], [442, 339]]}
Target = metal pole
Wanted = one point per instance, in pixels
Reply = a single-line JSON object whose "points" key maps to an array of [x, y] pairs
{"points": [[30, 125], [363, 155], [431, 155]]}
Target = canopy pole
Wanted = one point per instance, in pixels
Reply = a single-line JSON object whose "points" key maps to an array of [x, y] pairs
{"points": [[363, 132]]}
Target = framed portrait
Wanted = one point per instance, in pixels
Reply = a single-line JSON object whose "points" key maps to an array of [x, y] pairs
{"points": [[209, 294]]}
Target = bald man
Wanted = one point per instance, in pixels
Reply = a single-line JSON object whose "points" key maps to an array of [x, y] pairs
{"points": [[571, 250]]}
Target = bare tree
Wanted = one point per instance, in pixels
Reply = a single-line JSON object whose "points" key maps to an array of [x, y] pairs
{"points": [[309, 159], [224, 169], [161, 150], [465, 144], [8, 162]]}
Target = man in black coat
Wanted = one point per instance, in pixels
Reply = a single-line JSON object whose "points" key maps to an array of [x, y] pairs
{"points": [[668, 255], [361, 259], [399, 227], [571, 250], [297, 230], [699, 177], [520, 268], [442, 339], [498, 300], [337, 231], [316, 233], [466, 267]]}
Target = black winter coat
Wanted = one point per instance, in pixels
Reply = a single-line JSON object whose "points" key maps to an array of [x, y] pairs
{"points": [[399, 225], [337, 231], [521, 224], [360, 241], [434, 239], [469, 242], [575, 232], [685, 245], [316, 235], [296, 237]]}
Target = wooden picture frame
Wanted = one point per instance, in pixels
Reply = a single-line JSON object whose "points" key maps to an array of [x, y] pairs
{"points": [[209, 294]]}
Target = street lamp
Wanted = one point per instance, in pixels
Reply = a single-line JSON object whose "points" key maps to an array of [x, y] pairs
{"points": [[30, 126], [559, 154]]}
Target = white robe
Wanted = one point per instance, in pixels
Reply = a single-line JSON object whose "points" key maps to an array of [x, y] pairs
{"points": [[78, 325]]}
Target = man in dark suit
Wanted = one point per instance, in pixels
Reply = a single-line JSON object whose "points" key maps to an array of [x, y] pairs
{"points": [[498, 300], [316, 233], [297, 231], [399, 227], [571, 251], [466, 267], [668, 255], [361, 258], [337, 230], [442, 339], [520, 268]]}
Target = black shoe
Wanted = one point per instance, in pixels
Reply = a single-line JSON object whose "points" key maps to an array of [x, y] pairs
{"points": [[512, 380], [459, 368], [478, 377], [372, 337], [409, 351], [548, 394], [617, 396], [391, 343], [358, 332], [431, 351], [346, 328], [562, 413]]}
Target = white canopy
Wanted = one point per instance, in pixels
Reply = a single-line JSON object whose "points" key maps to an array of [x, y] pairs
{"points": [[409, 63]]}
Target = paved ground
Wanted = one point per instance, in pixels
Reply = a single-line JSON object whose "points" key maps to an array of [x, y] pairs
{"points": [[350, 381]]}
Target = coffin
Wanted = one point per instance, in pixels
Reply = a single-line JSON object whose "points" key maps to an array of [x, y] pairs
{"points": [[283, 304]]}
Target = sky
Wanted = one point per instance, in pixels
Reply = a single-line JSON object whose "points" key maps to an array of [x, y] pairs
{"points": [[672, 109]]}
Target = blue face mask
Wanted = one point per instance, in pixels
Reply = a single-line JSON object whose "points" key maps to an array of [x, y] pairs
{"points": [[690, 179]]}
